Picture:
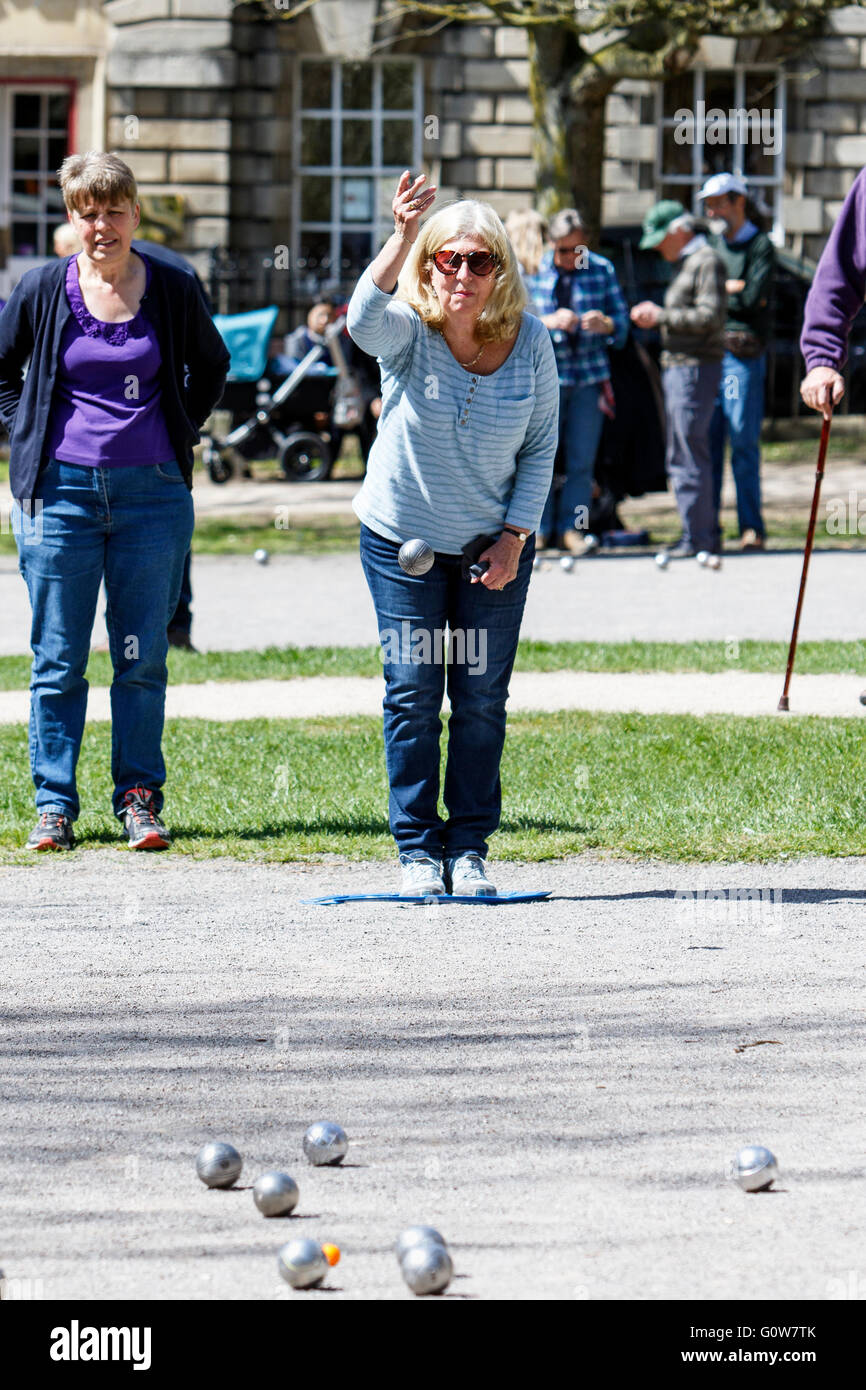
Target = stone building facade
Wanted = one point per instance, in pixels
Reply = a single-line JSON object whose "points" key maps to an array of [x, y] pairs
{"points": [[285, 139]]}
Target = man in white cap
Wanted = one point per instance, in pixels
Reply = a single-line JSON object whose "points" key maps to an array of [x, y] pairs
{"points": [[749, 259]]}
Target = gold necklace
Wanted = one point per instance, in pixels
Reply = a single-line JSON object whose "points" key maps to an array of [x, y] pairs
{"points": [[475, 358]]}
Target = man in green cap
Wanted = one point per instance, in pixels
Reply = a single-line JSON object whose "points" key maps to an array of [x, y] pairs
{"points": [[692, 326]]}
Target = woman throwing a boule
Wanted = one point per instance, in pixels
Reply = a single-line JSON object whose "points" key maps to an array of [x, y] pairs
{"points": [[463, 454]]}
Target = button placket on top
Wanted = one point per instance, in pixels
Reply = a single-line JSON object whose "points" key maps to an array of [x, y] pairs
{"points": [[464, 419]]}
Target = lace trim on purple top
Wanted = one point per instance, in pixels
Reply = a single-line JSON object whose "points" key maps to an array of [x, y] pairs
{"points": [[114, 333]]}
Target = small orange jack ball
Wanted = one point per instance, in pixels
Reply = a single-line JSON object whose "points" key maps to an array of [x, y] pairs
{"points": [[331, 1253]]}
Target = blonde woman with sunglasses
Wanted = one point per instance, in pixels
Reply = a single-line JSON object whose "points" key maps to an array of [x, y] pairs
{"points": [[462, 459]]}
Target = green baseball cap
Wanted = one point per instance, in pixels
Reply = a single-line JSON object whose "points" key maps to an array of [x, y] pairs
{"points": [[657, 222]]}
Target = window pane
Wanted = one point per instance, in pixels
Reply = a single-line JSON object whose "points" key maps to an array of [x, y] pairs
{"points": [[27, 111], [316, 198], [316, 84], [676, 158], [357, 142], [357, 86], [357, 252], [719, 91], [25, 152], [56, 151], [58, 111], [397, 142], [397, 86], [25, 238], [679, 94], [762, 91], [357, 200], [757, 162], [54, 199], [25, 196], [315, 251], [316, 140], [679, 192]]}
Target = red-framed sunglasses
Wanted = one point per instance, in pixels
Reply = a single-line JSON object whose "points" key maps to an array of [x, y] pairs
{"points": [[479, 262]]}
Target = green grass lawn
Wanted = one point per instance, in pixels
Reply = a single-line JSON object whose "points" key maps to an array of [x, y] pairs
{"points": [[672, 787], [284, 663]]}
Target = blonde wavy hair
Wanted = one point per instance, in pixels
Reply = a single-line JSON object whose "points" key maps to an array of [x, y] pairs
{"points": [[501, 316], [527, 231]]}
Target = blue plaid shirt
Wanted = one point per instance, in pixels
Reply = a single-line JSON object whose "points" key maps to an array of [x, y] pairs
{"points": [[581, 358]]}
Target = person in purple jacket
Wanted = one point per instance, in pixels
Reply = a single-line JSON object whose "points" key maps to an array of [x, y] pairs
{"points": [[125, 365], [833, 302]]}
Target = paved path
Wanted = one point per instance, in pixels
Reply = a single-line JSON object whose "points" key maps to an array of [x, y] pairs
{"points": [[323, 601], [736, 692], [556, 1086]]}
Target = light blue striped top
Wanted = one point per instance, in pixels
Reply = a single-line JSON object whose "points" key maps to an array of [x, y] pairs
{"points": [[456, 454]]}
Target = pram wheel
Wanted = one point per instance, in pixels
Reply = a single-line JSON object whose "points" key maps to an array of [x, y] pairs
{"points": [[218, 466], [305, 458]]}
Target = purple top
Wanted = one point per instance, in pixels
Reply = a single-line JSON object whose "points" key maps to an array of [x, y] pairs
{"points": [[839, 287], [106, 410]]}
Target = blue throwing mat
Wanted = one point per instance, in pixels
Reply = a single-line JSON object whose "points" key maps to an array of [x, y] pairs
{"points": [[439, 897]]}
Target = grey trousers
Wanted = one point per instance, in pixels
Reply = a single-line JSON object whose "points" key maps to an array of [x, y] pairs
{"points": [[690, 396]]}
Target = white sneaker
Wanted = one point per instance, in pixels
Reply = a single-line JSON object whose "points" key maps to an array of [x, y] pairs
{"points": [[422, 875], [467, 876]]}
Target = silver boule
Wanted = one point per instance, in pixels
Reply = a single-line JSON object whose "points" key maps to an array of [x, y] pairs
{"points": [[302, 1263], [663, 560], [590, 542], [325, 1144], [753, 1168], [427, 1268], [261, 556], [415, 557], [418, 1235], [703, 557], [567, 563], [218, 1165], [275, 1193]]}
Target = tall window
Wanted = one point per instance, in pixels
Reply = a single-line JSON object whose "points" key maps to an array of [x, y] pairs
{"points": [[35, 144], [714, 121], [357, 127]]}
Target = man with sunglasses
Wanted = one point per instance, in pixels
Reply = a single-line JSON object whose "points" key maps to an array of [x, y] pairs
{"points": [[576, 295]]}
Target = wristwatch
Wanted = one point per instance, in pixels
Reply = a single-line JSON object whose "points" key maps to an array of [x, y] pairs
{"points": [[521, 535]]}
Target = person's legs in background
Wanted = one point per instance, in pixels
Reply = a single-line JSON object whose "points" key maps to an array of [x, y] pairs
{"points": [[745, 412], [150, 523], [690, 394], [718, 437], [583, 426]]}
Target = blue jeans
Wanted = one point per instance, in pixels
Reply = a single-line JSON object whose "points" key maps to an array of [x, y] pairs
{"points": [[739, 411], [580, 422], [131, 526], [412, 614]]}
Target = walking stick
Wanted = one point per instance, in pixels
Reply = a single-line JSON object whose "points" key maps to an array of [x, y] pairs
{"points": [[819, 477]]}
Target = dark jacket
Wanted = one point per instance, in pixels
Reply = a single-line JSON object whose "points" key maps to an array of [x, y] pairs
{"points": [[192, 376], [753, 261]]}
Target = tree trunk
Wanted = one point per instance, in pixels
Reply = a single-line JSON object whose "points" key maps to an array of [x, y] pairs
{"points": [[568, 125]]}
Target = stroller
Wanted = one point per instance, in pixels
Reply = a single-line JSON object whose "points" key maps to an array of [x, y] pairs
{"points": [[267, 422]]}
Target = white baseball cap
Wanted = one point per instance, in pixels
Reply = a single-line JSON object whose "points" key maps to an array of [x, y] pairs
{"points": [[717, 185]]}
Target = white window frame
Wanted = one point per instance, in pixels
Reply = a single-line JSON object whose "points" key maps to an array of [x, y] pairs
{"points": [[384, 177], [772, 187], [17, 265]]}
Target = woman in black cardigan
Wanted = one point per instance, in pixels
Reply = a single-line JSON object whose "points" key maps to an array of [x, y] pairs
{"points": [[125, 365]]}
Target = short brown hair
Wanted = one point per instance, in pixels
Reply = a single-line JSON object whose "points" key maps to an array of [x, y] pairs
{"points": [[96, 178]]}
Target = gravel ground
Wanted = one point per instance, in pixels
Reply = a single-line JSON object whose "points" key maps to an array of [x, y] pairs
{"points": [[556, 1086]]}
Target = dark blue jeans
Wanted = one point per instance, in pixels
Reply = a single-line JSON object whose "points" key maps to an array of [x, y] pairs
{"points": [[484, 626], [131, 527]]}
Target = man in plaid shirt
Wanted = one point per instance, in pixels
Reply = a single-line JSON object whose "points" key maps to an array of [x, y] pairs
{"points": [[575, 293]]}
